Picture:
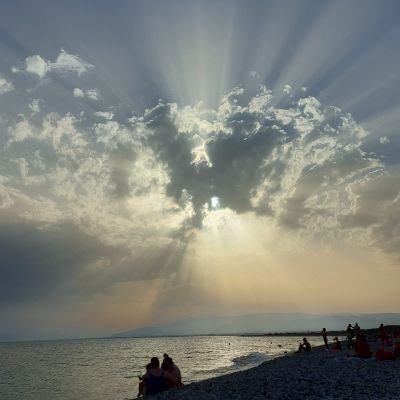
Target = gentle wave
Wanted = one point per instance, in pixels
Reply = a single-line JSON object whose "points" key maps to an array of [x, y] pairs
{"points": [[253, 358]]}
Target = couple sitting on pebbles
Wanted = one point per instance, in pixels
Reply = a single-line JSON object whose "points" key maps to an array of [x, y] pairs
{"points": [[157, 379]]}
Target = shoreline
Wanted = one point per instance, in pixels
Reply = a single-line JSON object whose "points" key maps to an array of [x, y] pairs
{"points": [[320, 374]]}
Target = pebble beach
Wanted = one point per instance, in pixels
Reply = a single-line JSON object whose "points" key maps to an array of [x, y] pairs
{"points": [[319, 374]]}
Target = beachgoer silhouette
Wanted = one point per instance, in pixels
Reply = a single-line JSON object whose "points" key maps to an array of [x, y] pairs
{"points": [[350, 335], [305, 346], [174, 373], [357, 329], [156, 378], [325, 337], [382, 334], [336, 344], [362, 347], [142, 382]]}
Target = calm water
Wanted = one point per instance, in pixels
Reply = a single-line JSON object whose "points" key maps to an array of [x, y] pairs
{"points": [[104, 369]]}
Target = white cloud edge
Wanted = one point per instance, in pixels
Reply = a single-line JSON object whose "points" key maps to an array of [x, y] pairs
{"points": [[6, 86], [64, 63]]}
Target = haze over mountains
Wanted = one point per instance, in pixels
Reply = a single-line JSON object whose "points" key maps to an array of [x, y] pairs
{"points": [[262, 323]]}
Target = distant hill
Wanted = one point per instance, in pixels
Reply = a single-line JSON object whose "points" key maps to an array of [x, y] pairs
{"points": [[263, 323]]}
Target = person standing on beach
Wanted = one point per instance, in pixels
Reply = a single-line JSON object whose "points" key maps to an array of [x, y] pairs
{"points": [[350, 335], [382, 334], [357, 329], [324, 334]]}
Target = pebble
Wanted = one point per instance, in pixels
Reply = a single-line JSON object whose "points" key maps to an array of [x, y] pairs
{"points": [[316, 375]]}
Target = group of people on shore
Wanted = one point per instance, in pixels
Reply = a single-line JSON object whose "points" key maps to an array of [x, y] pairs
{"points": [[358, 342], [159, 378]]}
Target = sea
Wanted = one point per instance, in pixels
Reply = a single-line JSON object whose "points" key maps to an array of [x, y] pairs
{"points": [[105, 369]]}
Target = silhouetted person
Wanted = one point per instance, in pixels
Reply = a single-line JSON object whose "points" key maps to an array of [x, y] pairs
{"points": [[156, 378], [382, 334], [350, 335], [362, 347], [357, 329], [174, 374], [336, 344], [305, 346], [142, 382], [325, 337]]}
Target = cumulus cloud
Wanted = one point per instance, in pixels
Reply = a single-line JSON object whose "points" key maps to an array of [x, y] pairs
{"points": [[299, 164], [78, 93], [36, 65], [384, 140], [92, 94], [287, 89], [64, 63], [5, 86], [108, 115], [130, 195], [34, 105]]}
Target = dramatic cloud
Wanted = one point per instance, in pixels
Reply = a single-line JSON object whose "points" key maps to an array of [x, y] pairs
{"points": [[89, 203], [301, 165], [295, 164]]}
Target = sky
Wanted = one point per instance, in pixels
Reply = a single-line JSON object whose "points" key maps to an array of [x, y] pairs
{"points": [[163, 160]]}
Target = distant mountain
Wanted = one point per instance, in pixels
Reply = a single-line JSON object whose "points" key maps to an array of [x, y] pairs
{"points": [[263, 323]]}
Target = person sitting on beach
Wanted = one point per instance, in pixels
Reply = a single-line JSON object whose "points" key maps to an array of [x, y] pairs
{"points": [[362, 347], [174, 374], [305, 346], [324, 334], [142, 382], [155, 378], [336, 344]]}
